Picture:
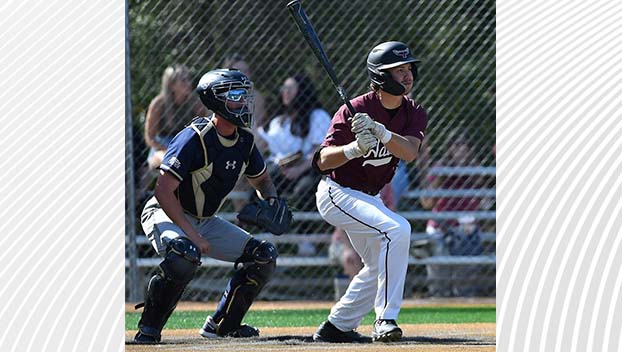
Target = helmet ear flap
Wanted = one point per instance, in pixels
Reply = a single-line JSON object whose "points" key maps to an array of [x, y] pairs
{"points": [[375, 76], [385, 81], [390, 85]]}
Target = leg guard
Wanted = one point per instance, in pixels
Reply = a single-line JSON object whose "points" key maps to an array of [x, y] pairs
{"points": [[245, 285], [165, 287]]}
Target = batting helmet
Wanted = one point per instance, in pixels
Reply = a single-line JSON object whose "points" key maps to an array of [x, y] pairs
{"points": [[217, 87], [385, 56]]}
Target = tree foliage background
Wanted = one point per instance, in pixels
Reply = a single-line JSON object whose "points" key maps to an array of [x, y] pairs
{"points": [[455, 41]]}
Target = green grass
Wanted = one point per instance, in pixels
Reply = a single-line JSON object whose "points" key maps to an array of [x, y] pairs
{"points": [[313, 317]]}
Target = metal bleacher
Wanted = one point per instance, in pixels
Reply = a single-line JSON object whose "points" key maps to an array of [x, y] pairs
{"points": [[324, 260], [146, 260], [294, 238]]}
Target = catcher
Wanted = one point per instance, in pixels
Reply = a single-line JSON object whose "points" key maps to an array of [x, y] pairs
{"points": [[201, 166]]}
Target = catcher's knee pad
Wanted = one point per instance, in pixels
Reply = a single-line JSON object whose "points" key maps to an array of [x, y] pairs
{"points": [[259, 260], [245, 285], [264, 256], [260, 252], [166, 287], [181, 261]]}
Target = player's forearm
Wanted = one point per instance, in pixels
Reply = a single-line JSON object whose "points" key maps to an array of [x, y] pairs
{"points": [[263, 185], [171, 206], [403, 148], [331, 158]]}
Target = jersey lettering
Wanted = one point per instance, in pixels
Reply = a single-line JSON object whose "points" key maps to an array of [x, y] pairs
{"points": [[174, 162], [377, 162], [378, 156], [379, 151]]}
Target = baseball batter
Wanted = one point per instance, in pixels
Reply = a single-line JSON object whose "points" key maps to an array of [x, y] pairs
{"points": [[359, 156], [201, 166]]}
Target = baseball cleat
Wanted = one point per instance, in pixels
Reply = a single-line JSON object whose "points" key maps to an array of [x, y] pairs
{"points": [[327, 332], [147, 335], [210, 330], [386, 330]]}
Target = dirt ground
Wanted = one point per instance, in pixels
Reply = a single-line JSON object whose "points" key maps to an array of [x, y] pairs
{"points": [[420, 337]]}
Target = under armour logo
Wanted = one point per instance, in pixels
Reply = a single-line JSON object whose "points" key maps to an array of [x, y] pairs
{"points": [[403, 53], [230, 165]]}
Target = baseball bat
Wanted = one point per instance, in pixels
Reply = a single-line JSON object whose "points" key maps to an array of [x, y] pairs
{"points": [[306, 28]]}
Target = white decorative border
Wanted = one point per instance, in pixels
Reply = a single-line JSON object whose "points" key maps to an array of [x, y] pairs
{"points": [[559, 166], [62, 191], [559, 163]]}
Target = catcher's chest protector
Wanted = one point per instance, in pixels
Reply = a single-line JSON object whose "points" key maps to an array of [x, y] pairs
{"points": [[224, 161]]}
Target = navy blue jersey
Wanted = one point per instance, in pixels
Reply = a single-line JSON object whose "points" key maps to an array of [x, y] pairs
{"points": [[209, 165]]}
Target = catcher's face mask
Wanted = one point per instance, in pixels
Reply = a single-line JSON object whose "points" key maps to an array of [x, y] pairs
{"points": [[239, 103]]}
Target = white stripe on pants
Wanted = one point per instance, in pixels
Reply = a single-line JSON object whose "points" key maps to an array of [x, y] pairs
{"points": [[382, 239]]}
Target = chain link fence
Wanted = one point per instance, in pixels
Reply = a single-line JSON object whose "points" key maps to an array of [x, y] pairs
{"points": [[448, 195]]}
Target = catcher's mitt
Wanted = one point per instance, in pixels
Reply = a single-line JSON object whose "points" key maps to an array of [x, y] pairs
{"points": [[272, 215]]}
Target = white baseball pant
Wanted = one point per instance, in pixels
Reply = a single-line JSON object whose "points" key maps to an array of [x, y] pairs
{"points": [[382, 239]]}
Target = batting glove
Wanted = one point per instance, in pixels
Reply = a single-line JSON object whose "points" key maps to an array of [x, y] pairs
{"points": [[362, 121], [365, 140]]}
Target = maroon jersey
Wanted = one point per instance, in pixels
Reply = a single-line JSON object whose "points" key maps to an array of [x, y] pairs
{"points": [[376, 168]]}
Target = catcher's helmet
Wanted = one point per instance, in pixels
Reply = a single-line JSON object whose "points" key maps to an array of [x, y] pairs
{"points": [[385, 56], [217, 87]]}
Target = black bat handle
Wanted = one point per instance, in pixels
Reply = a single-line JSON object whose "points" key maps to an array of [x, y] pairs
{"points": [[346, 100]]}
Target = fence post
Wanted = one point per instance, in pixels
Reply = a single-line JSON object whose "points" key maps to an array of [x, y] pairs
{"points": [[130, 190]]}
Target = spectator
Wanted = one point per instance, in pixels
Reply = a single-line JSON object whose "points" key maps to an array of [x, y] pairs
{"points": [[453, 236], [293, 136], [409, 175], [169, 111], [400, 181]]}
